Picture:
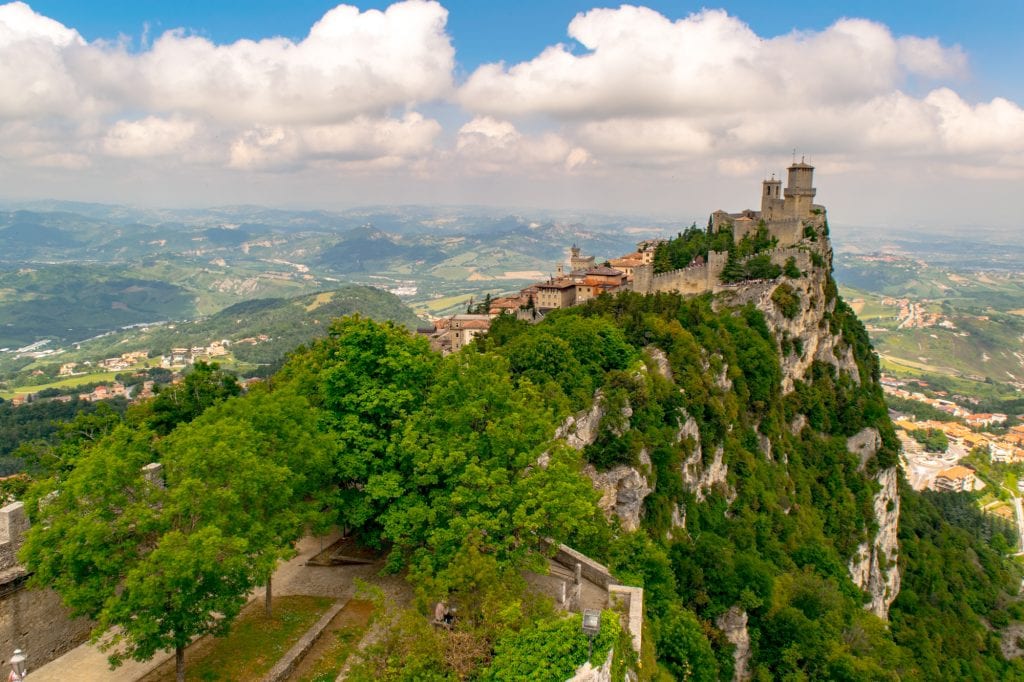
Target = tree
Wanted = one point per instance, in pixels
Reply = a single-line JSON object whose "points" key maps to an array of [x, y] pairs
{"points": [[684, 648], [204, 386], [159, 565], [277, 437], [369, 378]]}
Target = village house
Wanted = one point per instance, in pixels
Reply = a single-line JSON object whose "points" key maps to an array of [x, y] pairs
{"points": [[956, 479], [464, 328], [985, 419], [555, 294]]}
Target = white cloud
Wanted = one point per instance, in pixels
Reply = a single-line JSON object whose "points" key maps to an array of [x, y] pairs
{"points": [[331, 94], [151, 136], [351, 63], [490, 145], [360, 140], [638, 62], [651, 91], [637, 103]]}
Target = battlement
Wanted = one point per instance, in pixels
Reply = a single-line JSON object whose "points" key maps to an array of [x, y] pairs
{"points": [[13, 526]]}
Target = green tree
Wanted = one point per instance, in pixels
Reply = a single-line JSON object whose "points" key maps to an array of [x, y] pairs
{"points": [[684, 648], [159, 564], [369, 379], [204, 386]]}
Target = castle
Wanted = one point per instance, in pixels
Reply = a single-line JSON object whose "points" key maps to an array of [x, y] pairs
{"points": [[788, 215]]}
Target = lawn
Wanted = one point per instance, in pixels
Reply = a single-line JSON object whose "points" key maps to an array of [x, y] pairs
{"points": [[253, 646], [340, 639], [63, 383]]}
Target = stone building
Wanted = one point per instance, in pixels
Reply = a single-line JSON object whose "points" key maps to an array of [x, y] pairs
{"points": [[785, 213]]}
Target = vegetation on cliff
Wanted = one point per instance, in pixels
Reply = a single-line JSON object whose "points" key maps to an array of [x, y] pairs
{"points": [[450, 463]]}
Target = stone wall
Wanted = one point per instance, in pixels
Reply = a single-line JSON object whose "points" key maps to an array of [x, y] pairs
{"points": [[624, 598], [32, 620]]}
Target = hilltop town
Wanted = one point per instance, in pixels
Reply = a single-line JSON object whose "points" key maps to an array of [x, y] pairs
{"points": [[789, 222]]}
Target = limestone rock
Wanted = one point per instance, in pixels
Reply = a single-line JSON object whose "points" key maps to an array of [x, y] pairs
{"points": [[678, 528], [699, 477], [623, 490], [733, 623], [865, 444], [874, 567], [581, 430], [765, 443], [660, 361]]}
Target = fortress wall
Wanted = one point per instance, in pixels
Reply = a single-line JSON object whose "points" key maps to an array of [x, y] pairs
{"points": [[36, 622], [801, 256], [788, 231], [32, 620], [688, 280]]}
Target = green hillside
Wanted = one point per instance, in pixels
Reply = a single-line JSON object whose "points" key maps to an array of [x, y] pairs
{"points": [[284, 322]]}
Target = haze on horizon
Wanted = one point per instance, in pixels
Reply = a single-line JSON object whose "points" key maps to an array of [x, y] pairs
{"points": [[625, 110]]}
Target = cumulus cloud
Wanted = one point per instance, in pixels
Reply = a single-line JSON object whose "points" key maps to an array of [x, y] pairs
{"points": [[151, 136], [362, 139], [348, 89], [639, 62], [491, 146], [633, 95], [649, 90]]}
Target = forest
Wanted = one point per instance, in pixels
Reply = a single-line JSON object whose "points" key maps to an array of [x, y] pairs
{"points": [[436, 460]]}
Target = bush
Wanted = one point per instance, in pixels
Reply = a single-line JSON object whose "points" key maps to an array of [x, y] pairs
{"points": [[787, 300], [791, 270]]}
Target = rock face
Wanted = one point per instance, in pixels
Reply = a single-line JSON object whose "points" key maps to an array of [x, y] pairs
{"points": [[581, 430], [873, 567], [865, 444], [700, 477], [623, 488], [808, 328], [660, 361], [733, 623]]}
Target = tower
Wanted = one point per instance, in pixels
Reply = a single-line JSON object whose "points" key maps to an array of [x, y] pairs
{"points": [[771, 199], [799, 193]]}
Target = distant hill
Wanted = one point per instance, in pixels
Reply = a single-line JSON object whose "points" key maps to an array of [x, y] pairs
{"points": [[286, 322], [21, 239], [366, 249], [71, 303]]}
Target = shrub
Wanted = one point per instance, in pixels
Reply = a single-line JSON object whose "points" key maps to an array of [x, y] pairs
{"points": [[787, 300]]}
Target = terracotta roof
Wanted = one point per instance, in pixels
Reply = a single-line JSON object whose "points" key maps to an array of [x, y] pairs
{"points": [[602, 270], [560, 284], [956, 472]]}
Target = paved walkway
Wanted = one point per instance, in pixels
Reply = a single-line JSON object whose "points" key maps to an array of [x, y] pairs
{"points": [[86, 663]]}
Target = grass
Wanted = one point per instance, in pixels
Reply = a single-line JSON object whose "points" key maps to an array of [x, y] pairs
{"points": [[63, 383], [339, 641], [440, 304], [254, 644]]}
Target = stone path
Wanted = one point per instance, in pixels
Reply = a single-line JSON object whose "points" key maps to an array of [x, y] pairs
{"points": [[87, 663]]}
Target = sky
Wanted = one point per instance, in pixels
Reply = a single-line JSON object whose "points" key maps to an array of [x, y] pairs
{"points": [[910, 111]]}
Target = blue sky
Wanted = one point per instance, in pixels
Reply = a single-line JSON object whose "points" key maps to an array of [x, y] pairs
{"points": [[495, 30], [911, 110]]}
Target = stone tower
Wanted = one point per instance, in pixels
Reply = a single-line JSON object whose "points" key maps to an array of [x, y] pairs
{"points": [[799, 191], [577, 261], [771, 199]]}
